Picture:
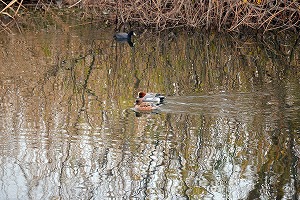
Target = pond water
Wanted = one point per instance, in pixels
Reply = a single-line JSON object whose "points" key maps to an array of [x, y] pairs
{"points": [[229, 128]]}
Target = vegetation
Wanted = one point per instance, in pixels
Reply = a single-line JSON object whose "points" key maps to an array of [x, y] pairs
{"points": [[229, 15]]}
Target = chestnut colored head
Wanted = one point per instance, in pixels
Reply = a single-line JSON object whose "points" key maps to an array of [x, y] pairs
{"points": [[142, 94]]}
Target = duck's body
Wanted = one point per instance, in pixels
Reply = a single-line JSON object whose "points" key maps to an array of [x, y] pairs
{"points": [[151, 97], [144, 106], [124, 36]]}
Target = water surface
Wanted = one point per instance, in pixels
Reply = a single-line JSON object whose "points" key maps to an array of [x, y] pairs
{"points": [[229, 128]]}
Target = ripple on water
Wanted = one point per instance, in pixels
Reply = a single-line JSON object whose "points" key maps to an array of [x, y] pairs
{"points": [[235, 104]]}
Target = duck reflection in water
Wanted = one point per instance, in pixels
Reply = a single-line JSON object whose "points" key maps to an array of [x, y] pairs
{"points": [[125, 37], [144, 106]]}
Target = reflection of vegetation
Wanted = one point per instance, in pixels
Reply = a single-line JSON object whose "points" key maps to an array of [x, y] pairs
{"points": [[208, 63], [77, 99]]}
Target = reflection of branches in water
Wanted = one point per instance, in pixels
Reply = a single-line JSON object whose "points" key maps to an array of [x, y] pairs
{"points": [[153, 164], [293, 156], [293, 50], [85, 89], [19, 163], [87, 64], [281, 50], [177, 62], [121, 50], [64, 162], [275, 166], [280, 46]]}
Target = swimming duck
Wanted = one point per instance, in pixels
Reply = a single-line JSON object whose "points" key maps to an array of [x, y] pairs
{"points": [[124, 36], [140, 105], [151, 97]]}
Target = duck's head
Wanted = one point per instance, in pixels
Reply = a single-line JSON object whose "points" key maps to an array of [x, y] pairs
{"points": [[131, 33], [142, 94]]}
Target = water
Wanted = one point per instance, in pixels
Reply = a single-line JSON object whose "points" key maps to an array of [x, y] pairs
{"points": [[229, 128]]}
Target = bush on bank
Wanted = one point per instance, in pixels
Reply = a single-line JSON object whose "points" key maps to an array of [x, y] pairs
{"points": [[229, 15]]}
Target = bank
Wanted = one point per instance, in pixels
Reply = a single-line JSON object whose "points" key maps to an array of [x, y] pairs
{"points": [[229, 16]]}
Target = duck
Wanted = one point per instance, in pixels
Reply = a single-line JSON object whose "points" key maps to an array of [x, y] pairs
{"points": [[155, 98], [124, 36], [140, 105]]}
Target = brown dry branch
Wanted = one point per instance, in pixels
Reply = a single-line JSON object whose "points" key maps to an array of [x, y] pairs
{"points": [[9, 13], [230, 15]]}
